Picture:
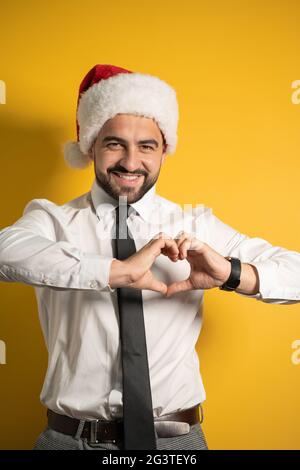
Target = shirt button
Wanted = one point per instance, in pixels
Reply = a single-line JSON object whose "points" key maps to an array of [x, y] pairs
{"points": [[93, 284]]}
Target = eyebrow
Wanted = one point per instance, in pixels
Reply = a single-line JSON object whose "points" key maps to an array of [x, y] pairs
{"points": [[123, 141]]}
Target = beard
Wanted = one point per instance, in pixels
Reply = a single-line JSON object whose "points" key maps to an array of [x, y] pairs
{"points": [[132, 194]]}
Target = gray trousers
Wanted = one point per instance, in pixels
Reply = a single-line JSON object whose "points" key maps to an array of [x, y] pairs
{"points": [[53, 440]]}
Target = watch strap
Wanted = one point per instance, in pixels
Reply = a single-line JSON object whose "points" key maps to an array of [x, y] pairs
{"points": [[235, 275]]}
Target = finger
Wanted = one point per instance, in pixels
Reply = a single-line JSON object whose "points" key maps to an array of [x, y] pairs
{"points": [[197, 244], [170, 249], [158, 286], [162, 235], [154, 246], [159, 240], [180, 286], [185, 245], [189, 245], [165, 244], [182, 237]]}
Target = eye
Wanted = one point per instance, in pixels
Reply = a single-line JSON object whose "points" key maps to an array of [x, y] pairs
{"points": [[147, 147], [113, 144]]}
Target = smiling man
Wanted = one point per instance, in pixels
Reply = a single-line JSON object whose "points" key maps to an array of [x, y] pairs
{"points": [[120, 273]]}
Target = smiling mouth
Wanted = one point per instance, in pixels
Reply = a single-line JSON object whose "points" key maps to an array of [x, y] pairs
{"points": [[126, 176]]}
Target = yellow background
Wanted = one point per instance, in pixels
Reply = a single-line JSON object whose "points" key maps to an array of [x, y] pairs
{"points": [[232, 64]]}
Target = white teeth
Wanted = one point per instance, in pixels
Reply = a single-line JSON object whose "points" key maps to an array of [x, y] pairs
{"points": [[128, 177]]}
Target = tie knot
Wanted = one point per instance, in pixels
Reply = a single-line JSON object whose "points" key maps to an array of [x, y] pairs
{"points": [[123, 211]]}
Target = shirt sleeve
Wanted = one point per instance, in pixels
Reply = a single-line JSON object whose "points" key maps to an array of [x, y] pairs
{"points": [[30, 254], [278, 268]]}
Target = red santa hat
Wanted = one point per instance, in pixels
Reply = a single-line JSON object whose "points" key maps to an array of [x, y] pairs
{"points": [[108, 90]]}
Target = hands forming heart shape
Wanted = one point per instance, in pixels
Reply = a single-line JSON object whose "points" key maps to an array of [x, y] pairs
{"points": [[208, 268]]}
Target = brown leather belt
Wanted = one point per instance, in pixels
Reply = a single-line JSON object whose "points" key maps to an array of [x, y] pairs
{"points": [[99, 430]]}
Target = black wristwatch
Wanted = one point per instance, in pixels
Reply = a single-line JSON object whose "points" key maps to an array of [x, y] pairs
{"points": [[235, 276]]}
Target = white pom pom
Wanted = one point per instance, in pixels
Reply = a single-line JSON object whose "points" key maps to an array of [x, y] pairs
{"points": [[74, 156]]}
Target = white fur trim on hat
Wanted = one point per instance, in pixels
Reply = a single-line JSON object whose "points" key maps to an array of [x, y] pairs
{"points": [[74, 156], [130, 93]]}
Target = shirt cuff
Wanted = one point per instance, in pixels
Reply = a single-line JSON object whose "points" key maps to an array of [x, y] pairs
{"points": [[95, 271], [270, 282]]}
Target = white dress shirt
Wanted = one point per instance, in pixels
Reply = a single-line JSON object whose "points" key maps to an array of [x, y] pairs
{"points": [[65, 252]]}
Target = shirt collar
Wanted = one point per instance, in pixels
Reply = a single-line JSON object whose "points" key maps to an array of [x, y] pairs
{"points": [[104, 203]]}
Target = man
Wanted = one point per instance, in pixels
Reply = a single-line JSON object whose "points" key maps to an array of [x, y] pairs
{"points": [[119, 274]]}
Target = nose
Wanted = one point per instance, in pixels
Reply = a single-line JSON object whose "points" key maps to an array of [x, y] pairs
{"points": [[130, 159]]}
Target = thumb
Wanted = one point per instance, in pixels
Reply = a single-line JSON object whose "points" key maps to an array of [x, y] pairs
{"points": [[158, 286], [180, 286]]}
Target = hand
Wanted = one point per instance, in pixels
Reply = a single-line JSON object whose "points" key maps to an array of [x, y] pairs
{"points": [[135, 271], [208, 268]]}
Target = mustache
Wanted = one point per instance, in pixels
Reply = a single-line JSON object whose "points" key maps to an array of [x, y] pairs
{"points": [[121, 169]]}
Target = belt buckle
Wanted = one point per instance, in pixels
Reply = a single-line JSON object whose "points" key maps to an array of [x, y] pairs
{"points": [[94, 431]]}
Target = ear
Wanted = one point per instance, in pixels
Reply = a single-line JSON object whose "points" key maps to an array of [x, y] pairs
{"points": [[164, 154], [91, 153]]}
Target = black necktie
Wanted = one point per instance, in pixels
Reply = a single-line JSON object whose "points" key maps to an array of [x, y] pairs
{"points": [[138, 421]]}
